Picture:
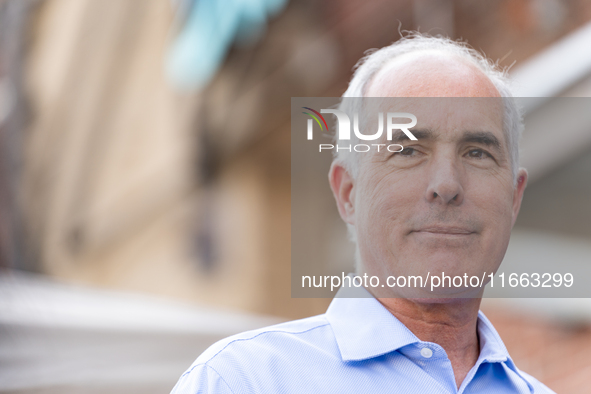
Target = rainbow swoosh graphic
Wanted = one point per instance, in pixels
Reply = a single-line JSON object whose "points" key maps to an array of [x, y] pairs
{"points": [[315, 117]]}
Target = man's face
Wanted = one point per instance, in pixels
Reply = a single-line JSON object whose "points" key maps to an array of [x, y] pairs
{"points": [[443, 204], [446, 203]]}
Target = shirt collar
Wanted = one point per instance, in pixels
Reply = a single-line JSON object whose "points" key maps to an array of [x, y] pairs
{"points": [[364, 329], [492, 348]]}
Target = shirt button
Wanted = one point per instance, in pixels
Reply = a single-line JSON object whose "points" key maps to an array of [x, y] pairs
{"points": [[426, 352]]}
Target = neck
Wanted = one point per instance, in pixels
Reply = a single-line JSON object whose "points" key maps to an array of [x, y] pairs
{"points": [[451, 325]]}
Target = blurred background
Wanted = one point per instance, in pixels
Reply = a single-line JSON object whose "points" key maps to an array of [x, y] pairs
{"points": [[145, 175]]}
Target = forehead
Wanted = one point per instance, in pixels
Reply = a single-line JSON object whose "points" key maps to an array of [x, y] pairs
{"points": [[452, 114], [445, 118], [430, 74]]}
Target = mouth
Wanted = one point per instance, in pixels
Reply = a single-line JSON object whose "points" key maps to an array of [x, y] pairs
{"points": [[450, 231]]}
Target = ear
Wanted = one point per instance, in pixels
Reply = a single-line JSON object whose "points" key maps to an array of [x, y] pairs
{"points": [[518, 192], [342, 185]]}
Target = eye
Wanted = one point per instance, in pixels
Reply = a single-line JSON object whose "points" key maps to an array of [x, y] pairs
{"points": [[407, 151], [478, 154]]}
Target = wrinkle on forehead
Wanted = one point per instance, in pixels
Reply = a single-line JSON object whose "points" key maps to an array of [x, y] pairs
{"points": [[430, 74]]}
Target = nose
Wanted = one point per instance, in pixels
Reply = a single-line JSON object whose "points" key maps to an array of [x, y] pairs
{"points": [[445, 185]]}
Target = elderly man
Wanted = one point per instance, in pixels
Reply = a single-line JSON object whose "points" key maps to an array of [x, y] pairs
{"points": [[446, 202]]}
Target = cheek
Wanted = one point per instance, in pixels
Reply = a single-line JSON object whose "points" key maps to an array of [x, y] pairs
{"points": [[386, 201], [495, 201]]}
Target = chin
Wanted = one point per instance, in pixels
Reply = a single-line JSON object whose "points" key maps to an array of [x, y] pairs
{"points": [[427, 301], [438, 295], [456, 262]]}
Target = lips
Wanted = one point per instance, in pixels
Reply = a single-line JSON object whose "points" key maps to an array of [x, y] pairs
{"points": [[445, 230]]}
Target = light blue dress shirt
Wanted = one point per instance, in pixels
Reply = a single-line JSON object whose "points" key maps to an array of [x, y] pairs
{"points": [[357, 346]]}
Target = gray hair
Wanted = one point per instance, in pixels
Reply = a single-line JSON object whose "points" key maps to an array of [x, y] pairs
{"points": [[413, 42]]}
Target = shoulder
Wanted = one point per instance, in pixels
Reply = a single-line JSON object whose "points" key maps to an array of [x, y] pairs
{"points": [[254, 358], [539, 387], [280, 336]]}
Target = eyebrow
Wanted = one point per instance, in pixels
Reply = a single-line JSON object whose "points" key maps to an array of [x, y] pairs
{"points": [[399, 136], [486, 138], [482, 137]]}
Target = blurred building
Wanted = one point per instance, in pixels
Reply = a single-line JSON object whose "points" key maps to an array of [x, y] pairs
{"points": [[112, 176]]}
